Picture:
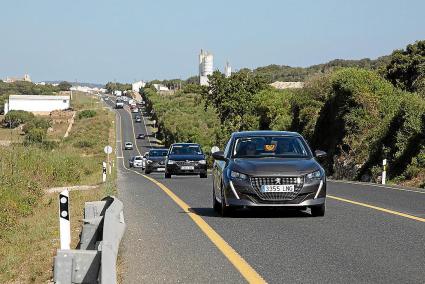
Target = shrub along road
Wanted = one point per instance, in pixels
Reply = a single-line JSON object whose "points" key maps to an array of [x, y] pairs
{"points": [[369, 233]]}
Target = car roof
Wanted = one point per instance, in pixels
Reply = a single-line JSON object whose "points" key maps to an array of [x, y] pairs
{"points": [[161, 149], [242, 134], [128, 142], [185, 144]]}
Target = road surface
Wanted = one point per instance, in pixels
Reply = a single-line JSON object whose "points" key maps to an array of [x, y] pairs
{"points": [[369, 234]]}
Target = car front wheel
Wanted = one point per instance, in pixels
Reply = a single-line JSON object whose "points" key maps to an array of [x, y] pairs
{"points": [[216, 204], [225, 211]]}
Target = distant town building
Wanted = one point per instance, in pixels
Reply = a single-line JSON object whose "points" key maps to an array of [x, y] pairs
{"points": [[227, 70], [206, 66], [37, 103], [26, 78], [160, 87], [86, 89], [137, 85], [287, 85]]}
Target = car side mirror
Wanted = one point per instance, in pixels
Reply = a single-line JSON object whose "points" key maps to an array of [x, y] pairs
{"points": [[219, 155], [320, 154]]}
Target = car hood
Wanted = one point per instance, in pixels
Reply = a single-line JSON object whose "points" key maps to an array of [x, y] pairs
{"points": [[157, 158], [186, 157], [274, 166]]}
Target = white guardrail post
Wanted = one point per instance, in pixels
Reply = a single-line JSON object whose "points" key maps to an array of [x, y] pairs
{"points": [[384, 171], [64, 223]]}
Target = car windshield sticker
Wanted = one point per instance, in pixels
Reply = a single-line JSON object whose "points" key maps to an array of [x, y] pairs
{"points": [[269, 147]]}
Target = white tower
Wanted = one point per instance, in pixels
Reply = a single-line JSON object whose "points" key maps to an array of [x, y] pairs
{"points": [[206, 67], [227, 70]]}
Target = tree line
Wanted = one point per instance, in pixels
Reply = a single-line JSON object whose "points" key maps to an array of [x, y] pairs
{"points": [[358, 115]]}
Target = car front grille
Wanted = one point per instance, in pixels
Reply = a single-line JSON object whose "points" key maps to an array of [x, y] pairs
{"points": [[158, 164], [257, 182]]}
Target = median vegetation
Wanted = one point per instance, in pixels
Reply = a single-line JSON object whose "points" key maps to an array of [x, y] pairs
{"points": [[360, 115]]}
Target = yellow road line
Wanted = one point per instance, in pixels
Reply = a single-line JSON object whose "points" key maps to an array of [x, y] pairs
{"points": [[378, 208], [238, 262]]}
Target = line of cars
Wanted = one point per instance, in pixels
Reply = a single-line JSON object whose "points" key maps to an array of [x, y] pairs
{"points": [[179, 159], [273, 169]]}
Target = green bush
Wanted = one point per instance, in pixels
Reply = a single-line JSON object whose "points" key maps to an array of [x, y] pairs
{"points": [[35, 135], [88, 113], [15, 118]]}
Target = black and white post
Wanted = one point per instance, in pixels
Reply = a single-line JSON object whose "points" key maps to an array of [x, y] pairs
{"points": [[103, 171], [64, 223]]}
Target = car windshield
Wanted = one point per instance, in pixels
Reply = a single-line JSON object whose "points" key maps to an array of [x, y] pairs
{"points": [[158, 153], [138, 158], [186, 150], [270, 146]]}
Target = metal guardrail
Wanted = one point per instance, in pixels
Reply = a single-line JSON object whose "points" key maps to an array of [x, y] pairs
{"points": [[94, 260]]}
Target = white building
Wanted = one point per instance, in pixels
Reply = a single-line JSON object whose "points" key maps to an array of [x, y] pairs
{"points": [[227, 70], [137, 85], [206, 67], [37, 103], [26, 78], [160, 87], [287, 85]]}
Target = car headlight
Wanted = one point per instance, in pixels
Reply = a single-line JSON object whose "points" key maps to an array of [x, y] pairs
{"points": [[171, 162], [202, 162], [314, 176], [238, 175]]}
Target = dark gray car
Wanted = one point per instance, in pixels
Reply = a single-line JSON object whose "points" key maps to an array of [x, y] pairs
{"points": [[155, 160], [268, 169]]}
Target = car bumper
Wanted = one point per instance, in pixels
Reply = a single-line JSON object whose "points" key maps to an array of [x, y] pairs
{"points": [[242, 194], [177, 170], [155, 168]]}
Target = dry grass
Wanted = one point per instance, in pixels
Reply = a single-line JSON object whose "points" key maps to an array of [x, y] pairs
{"points": [[27, 252], [27, 248], [15, 135], [59, 124]]}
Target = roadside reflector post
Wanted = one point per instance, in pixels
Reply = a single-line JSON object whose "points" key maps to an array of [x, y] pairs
{"points": [[64, 223], [108, 150], [384, 171], [103, 171]]}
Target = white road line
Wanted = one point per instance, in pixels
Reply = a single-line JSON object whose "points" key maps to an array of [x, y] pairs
{"points": [[376, 185]]}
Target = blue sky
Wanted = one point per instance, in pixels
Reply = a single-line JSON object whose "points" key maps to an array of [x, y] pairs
{"points": [[105, 40]]}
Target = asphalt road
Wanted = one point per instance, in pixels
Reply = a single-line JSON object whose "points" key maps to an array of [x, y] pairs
{"points": [[370, 234]]}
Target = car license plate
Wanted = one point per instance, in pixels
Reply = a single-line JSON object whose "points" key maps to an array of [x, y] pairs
{"points": [[187, 168], [161, 169], [278, 188]]}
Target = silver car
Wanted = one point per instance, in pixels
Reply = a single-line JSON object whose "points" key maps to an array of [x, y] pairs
{"points": [[128, 146], [268, 169]]}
